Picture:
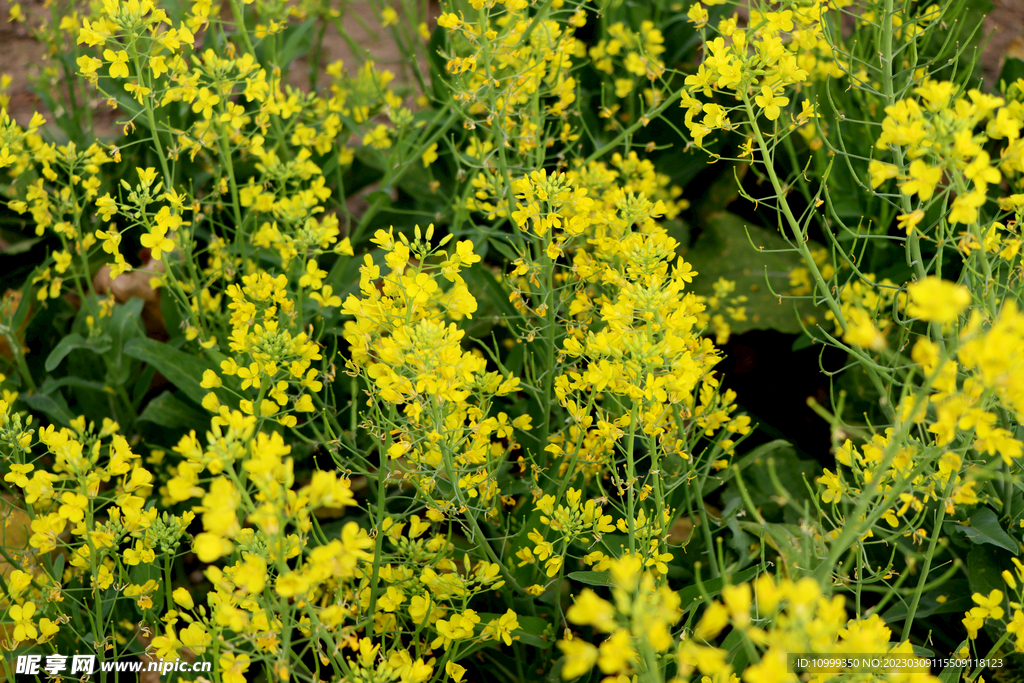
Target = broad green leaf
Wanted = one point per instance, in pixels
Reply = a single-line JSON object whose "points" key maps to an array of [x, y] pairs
{"points": [[167, 411], [381, 197], [16, 244], [503, 248], [984, 568], [53, 406], [957, 598], [78, 383], [73, 341], [591, 578], [1013, 68], [724, 250], [787, 539], [984, 528], [480, 281], [951, 674], [985, 564], [734, 645], [716, 481], [181, 369], [713, 587], [298, 36], [123, 325]]}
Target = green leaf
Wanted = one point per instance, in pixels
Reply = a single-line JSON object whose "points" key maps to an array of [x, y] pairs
{"points": [[1013, 68], [53, 406], [985, 564], [298, 39], [957, 594], [384, 198], [78, 383], [167, 411], [123, 325], [16, 243], [439, 78], [951, 674], [180, 369], [984, 528], [722, 192], [480, 280], [716, 481], [788, 540], [73, 341], [713, 587], [591, 578], [724, 250], [734, 645], [502, 246]]}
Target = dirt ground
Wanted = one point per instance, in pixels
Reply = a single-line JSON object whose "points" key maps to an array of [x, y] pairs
{"points": [[20, 54]]}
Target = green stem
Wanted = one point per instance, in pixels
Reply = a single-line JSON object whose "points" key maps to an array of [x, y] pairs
{"points": [[799, 238], [940, 515], [158, 146]]}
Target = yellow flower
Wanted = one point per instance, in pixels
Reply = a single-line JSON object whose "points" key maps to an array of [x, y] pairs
{"points": [[616, 653], [89, 65], [861, 331], [24, 629], [388, 17], [118, 63], [157, 242], [449, 21], [698, 16], [771, 668], [908, 221], [834, 487], [183, 598], [716, 617], [880, 172], [502, 627], [106, 207], [211, 380], [205, 101], [770, 102], [430, 156], [990, 606], [63, 260], [377, 138], [923, 179], [233, 667], [456, 671], [580, 657], [965, 207], [209, 547], [937, 300], [48, 629]]}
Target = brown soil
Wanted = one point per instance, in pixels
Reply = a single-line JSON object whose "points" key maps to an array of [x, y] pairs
{"points": [[1005, 24]]}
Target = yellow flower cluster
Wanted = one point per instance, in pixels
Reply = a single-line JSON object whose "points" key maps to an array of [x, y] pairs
{"points": [[946, 136], [638, 623], [779, 50], [503, 61], [268, 359], [404, 340]]}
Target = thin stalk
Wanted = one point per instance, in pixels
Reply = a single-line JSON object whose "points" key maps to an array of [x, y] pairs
{"points": [[940, 515], [798, 237]]}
